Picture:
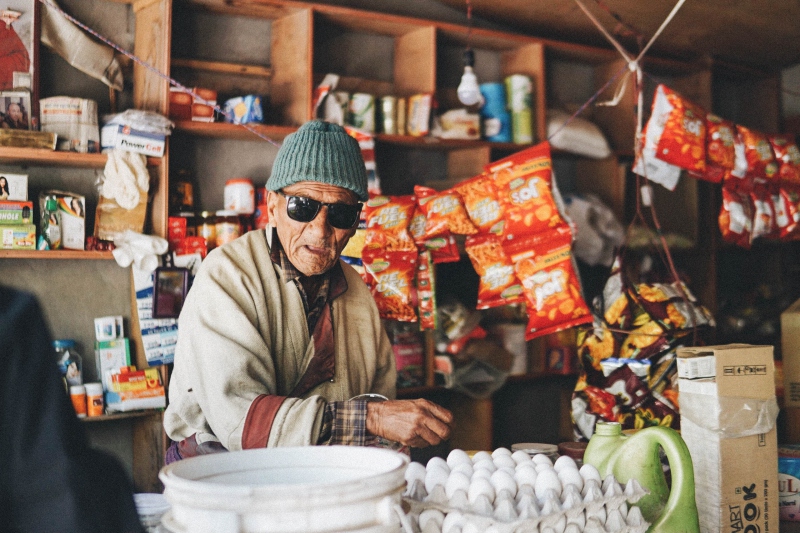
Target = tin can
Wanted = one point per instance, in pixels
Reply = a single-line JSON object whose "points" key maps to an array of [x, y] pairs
{"points": [[227, 226], [240, 196], [362, 112], [519, 89], [389, 115]]}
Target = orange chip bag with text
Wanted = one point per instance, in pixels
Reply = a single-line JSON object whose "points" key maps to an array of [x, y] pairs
{"points": [[444, 212], [736, 217], [764, 224], [761, 162], [523, 183], [388, 219], [498, 283], [443, 249], [787, 155], [391, 281], [720, 152], [683, 141], [543, 264], [790, 197], [482, 204]]}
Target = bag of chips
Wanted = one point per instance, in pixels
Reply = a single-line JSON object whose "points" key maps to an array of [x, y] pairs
{"points": [[443, 249], [523, 182], [683, 141], [764, 224], [647, 163], [543, 264], [761, 164], [787, 155], [391, 280], [387, 219], [790, 197], [736, 217], [444, 212], [720, 153], [482, 204], [498, 283], [426, 292]]}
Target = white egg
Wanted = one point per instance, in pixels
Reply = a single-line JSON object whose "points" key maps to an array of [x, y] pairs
{"points": [[571, 476], [431, 515], [547, 480], [456, 481], [572, 528], [457, 457], [435, 476], [501, 451], [590, 472], [464, 468], [504, 460], [544, 466], [565, 461], [503, 481], [415, 471], [521, 457], [480, 487], [485, 464], [438, 461], [480, 456], [541, 458], [507, 469], [472, 527], [481, 473], [453, 522], [525, 476]]}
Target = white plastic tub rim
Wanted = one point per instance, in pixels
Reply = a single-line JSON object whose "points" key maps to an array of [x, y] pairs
{"points": [[286, 490]]}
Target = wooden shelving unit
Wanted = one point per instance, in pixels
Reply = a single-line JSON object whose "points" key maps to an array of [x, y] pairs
{"points": [[224, 130], [56, 254], [51, 158]]}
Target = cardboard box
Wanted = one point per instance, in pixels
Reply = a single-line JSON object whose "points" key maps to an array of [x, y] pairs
{"points": [[16, 185], [109, 357], [728, 423], [790, 354], [70, 217], [16, 213], [74, 120], [18, 237], [126, 138]]}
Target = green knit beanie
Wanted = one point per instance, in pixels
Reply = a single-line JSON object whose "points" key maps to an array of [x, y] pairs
{"points": [[323, 152]]}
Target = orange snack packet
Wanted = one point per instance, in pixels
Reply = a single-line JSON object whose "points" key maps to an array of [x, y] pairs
{"points": [[482, 204], [736, 217], [498, 283], [443, 249], [387, 219], [523, 182], [426, 292], [543, 264], [790, 197], [391, 281], [761, 162], [444, 212], [720, 152], [787, 155], [764, 224], [683, 141]]}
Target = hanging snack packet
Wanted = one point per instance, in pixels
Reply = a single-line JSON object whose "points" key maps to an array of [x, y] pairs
{"points": [[426, 292], [391, 280], [647, 164], [523, 182], [543, 263], [790, 197], [785, 225], [388, 218], [763, 214], [736, 217], [498, 284], [761, 162], [482, 204], [444, 212], [720, 153], [683, 141], [443, 249], [787, 155]]}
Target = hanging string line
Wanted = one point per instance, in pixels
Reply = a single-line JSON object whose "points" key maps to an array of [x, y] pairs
{"points": [[154, 70]]}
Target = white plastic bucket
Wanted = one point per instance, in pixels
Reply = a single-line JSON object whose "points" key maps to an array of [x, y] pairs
{"points": [[314, 489]]}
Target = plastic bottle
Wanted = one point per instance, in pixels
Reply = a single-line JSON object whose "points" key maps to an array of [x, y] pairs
{"points": [[94, 399], [69, 361], [637, 457], [77, 394]]}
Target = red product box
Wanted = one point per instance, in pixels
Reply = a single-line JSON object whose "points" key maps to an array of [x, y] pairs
{"points": [[191, 245], [180, 104]]}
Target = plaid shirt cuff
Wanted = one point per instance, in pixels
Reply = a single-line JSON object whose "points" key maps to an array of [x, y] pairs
{"points": [[345, 423]]}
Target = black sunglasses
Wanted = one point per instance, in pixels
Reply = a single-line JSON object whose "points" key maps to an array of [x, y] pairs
{"points": [[340, 216]]}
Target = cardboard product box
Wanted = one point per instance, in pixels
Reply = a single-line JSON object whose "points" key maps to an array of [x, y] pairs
{"points": [[15, 187], [69, 216], [74, 120], [15, 213], [790, 354], [109, 357], [728, 413], [126, 138], [18, 237], [120, 402]]}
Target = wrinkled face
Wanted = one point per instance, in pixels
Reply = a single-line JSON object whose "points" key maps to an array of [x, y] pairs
{"points": [[312, 247]]}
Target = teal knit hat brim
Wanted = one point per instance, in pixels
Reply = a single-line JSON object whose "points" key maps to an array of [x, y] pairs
{"points": [[322, 152]]}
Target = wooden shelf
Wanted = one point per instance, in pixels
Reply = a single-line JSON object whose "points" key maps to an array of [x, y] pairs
{"points": [[434, 143], [40, 156], [120, 416], [223, 68], [55, 254], [224, 130]]}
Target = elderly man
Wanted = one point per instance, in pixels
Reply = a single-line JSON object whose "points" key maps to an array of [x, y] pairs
{"points": [[280, 342]]}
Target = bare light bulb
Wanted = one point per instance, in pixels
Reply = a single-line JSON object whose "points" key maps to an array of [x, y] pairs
{"points": [[468, 91]]}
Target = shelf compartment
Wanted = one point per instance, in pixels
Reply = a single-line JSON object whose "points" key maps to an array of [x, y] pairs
{"points": [[119, 416], [223, 67], [41, 157], [225, 130], [55, 254]]}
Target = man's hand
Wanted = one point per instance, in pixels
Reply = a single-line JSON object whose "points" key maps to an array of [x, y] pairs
{"points": [[415, 423]]}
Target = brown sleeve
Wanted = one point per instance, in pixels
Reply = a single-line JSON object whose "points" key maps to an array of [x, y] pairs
{"points": [[259, 420]]}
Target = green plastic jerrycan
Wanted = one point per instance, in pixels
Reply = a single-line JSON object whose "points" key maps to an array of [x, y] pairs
{"points": [[637, 456]]}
